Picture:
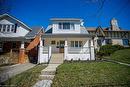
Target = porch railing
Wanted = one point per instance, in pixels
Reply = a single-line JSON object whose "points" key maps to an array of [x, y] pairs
{"points": [[78, 50], [45, 50]]}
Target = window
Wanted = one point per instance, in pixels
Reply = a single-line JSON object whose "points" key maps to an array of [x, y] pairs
{"points": [[76, 44], [80, 43], [66, 26], [72, 26], [12, 28], [72, 43], [53, 42], [8, 28], [4, 28], [125, 42]]}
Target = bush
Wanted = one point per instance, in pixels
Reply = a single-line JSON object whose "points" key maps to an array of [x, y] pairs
{"points": [[107, 50]]}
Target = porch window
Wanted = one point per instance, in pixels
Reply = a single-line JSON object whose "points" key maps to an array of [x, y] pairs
{"points": [[80, 44], [76, 44], [72, 44]]}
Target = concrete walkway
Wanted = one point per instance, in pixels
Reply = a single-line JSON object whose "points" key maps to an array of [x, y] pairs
{"points": [[10, 71], [48, 73], [116, 62]]}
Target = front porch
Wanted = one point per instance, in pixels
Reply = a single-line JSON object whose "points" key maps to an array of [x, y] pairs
{"points": [[72, 48]]}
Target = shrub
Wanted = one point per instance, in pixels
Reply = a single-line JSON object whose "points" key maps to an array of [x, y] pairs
{"points": [[107, 50]]}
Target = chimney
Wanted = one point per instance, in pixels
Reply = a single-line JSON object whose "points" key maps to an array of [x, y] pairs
{"points": [[114, 25]]}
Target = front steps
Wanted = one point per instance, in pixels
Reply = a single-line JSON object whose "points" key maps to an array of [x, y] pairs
{"points": [[49, 72]]}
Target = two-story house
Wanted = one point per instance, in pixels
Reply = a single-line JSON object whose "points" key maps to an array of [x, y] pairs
{"points": [[68, 37], [15, 37]]}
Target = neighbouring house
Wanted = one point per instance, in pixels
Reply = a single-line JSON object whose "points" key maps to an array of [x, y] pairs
{"points": [[16, 38], [110, 35], [69, 37]]}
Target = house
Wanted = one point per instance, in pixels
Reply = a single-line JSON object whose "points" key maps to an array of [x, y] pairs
{"points": [[110, 35], [66, 36], [16, 37]]}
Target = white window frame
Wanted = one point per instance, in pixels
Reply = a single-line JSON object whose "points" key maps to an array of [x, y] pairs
{"points": [[78, 44]]}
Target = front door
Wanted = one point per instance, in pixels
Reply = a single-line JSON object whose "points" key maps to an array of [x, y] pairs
{"points": [[61, 47]]}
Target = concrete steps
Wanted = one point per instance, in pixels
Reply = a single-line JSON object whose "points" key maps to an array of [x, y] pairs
{"points": [[49, 72]]}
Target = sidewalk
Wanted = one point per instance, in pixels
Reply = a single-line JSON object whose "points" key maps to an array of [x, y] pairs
{"points": [[10, 71]]}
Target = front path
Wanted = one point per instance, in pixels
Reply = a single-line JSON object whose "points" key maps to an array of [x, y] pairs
{"points": [[48, 73]]}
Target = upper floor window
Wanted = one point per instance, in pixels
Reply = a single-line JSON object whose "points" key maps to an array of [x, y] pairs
{"points": [[66, 26], [7, 28]]}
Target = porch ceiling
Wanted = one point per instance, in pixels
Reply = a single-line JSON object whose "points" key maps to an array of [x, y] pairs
{"points": [[67, 36]]}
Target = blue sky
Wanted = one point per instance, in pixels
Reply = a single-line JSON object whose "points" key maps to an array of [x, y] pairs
{"points": [[38, 12]]}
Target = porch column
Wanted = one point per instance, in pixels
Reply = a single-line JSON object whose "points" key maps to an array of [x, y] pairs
{"points": [[22, 53], [92, 53], [65, 50], [40, 51]]}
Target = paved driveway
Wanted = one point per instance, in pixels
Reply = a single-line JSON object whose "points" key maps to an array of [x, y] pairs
{"points": [[9, 71]]}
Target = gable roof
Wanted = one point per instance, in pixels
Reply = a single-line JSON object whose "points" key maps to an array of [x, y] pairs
{"points": [[7, 15], [35, 30]]}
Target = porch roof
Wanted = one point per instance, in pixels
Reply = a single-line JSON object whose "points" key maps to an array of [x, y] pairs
{"points": [[12, 39], [67, 36]]}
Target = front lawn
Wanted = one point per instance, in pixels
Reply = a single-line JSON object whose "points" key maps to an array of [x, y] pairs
{"points": [[25, 79], [121, 56], [82, 74]]}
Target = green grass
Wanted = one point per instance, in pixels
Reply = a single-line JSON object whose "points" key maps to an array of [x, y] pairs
{"points": [[121, 56], [27, 78], [84, 74]]}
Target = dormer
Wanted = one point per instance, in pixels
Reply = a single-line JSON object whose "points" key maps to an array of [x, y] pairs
{"points": [[66, 25]]}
